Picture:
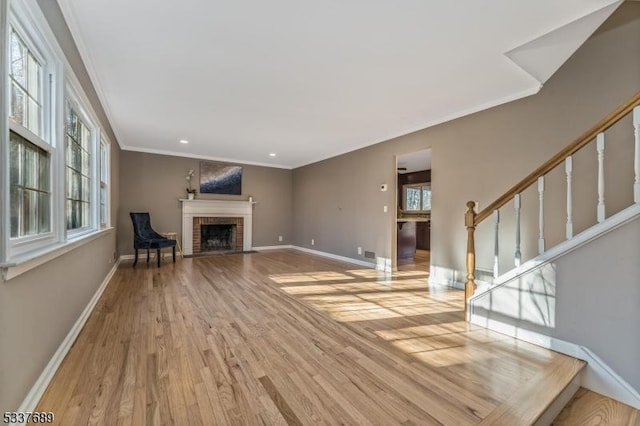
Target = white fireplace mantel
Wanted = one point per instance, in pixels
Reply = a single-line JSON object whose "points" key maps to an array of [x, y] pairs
{"points": [[215, 208]]}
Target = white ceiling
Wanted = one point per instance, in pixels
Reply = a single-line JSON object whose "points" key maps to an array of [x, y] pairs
{"points": [[311, 80], [414, 161]]}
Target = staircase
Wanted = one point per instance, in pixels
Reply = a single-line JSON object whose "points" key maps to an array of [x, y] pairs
{"points": [[577, 293]]}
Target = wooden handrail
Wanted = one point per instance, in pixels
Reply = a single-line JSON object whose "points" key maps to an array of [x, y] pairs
{"points": [[472, 219], [604, 124]]}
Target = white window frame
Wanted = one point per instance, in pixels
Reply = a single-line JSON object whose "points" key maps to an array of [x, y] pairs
{"points": [[39, 47], [404, 197], [71, 95], [17, 257], [104, 167]]}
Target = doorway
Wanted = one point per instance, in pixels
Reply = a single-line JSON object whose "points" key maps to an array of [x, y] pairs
{"points": [[413, 219]]}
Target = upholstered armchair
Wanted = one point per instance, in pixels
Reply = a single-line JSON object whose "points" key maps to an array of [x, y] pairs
{"points": [[144, 237]]}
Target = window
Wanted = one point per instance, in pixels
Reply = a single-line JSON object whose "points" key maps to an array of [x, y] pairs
{"points": [[57, 163], [29, 152], [104, 183], [417, 198], [25, 73], [30, 194], [78, 171]]}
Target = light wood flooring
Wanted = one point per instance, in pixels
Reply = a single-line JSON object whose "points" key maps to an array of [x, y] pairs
{"points": [[283, 337], [419, 262], [590, 408]]}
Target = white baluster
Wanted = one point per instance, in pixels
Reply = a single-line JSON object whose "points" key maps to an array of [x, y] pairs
{"points": [[636, 161], [600, 149], [568, 168], [541, 215], [496, 249], [518, 255]]}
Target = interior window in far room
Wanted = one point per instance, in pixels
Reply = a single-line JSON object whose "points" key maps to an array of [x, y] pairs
{"points": [[417, 198]]}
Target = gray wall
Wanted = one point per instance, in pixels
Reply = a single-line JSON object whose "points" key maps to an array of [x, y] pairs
{"points": [[155, 183], [39, 307], [478, 157], [589, 297], [598, 299]]}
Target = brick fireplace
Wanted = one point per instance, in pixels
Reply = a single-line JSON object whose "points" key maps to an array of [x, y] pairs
{"points": [[236, 225], [198, 213]]}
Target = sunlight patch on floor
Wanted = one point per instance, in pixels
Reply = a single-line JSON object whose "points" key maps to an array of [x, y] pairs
{"points": [[454, 355], [310, 277], [355, 287], [374, 274], [443, 341], [355, 311], [423, 330], [309, 289], [377, 305]]}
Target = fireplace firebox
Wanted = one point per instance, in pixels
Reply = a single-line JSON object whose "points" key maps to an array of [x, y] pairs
{"points": [[217, 237], [217, 234]]}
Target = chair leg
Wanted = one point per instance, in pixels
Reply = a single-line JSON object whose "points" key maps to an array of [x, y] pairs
{"points": [[135, 260], [174, 254], [147, 257], [158, 255]]}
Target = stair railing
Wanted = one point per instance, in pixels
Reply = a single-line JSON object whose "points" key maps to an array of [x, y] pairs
{"points": [[472, 219]]}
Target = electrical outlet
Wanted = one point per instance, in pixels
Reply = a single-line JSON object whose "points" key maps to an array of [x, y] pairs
{"points": [[280, 238], [360, 250], [385, 209], [313, 242]]}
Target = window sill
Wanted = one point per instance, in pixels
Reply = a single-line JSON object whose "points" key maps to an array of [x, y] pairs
{"points": [[21, 264]]}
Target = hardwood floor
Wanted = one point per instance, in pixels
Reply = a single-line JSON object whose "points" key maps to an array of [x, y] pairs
{"points": [[284, 337], [590, 408], [419, 262]]}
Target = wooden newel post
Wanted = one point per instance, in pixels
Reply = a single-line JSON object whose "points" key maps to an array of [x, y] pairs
{"points": [[470, 285]]}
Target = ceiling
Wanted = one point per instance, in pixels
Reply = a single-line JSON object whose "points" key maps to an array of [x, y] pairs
{"points": [[310, 80], [414, 161]]}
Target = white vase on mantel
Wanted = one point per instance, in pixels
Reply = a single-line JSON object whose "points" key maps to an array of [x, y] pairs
{"points": [[190, 196]]}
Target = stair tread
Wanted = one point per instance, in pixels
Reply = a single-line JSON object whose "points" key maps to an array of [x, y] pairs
{"points": [[591, 408], [532, 399]]}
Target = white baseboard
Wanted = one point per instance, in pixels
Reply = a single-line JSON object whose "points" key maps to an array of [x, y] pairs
{"points": [[284, 246], [336, 257], [598, 376], [37, 390], [457, 279], [446, 276], [383, 264]]}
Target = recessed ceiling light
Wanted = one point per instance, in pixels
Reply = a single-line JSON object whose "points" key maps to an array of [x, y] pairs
{"points": [[184, 141], [272, 154]]}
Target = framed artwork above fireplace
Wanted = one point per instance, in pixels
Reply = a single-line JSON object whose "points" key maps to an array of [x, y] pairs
{"points": [[220, 178]]}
